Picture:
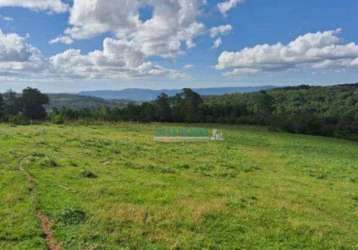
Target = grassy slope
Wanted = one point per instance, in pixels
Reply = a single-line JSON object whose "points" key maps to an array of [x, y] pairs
{"points": [[255, 190]]}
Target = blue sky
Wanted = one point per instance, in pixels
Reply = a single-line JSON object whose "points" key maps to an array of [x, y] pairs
{"points": [[141, 44]]}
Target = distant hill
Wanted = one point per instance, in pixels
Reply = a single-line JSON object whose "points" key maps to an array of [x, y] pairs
{"points": [[80, 102], [149, 94], [108, 98]]}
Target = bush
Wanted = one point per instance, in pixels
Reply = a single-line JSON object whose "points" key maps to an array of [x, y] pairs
{"points": [[19, 120], [57, 119]]}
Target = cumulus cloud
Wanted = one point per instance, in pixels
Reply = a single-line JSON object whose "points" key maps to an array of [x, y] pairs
{"points": [[38, 5], [220, 30], [217, 32], [6, 18], [16, 55], [172, 28], [117, 60], [217, 43], [313, 50], [227, 5], [62, 39]]}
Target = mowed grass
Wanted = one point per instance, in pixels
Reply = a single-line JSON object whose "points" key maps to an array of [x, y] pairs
{"points": [[112, 187]]}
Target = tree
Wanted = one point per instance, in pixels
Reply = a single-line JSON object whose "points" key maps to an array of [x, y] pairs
{"points": [[33, 102], [1, 106], [163, 110], [189, 105], [11, 104], [147, 113], [262, 107]]}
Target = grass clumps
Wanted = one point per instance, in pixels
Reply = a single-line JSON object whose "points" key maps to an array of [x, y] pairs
{"points": [[72, 216], [49, 162], [38, 155], [88, 174]]}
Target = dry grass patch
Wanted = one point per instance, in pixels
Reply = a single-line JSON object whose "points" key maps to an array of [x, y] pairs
{"points": [[123, 213]]}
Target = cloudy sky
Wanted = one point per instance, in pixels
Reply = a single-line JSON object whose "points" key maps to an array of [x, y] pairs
{"points": [[74, 45]]}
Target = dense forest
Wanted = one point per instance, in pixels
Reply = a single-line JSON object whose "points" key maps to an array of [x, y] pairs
{"points": [[327, 111]]}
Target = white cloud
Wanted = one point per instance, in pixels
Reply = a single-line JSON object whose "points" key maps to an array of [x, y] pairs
{"points": [[37, 5], [227, 5], [6, 18], [220, 30], [117, 60], [217, 32], [217, 43], [62, 39], [17, 56], [313, 50], [172, 28], [13, 48], [188, 66]]}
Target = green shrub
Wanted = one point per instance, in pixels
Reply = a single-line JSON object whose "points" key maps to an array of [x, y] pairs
{"points": [[19, 120], [57, 119]]}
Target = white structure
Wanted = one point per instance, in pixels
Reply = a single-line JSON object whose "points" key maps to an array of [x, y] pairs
{"points": [[217, 135], [178, 137]]}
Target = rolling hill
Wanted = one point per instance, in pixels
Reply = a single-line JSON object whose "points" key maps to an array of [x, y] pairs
{"points": [[80, 102], [149, 94]]}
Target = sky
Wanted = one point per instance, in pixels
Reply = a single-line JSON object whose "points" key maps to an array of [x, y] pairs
{"points": [[76, 45]]}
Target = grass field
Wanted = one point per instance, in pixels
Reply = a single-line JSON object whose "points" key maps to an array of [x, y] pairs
{"points": [[113, 187]]}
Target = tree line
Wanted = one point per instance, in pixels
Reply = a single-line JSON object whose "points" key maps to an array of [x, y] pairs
{"points": [[23, 108], [326, 111]]}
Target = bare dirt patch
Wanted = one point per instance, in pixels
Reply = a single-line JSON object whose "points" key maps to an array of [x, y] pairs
{"points": [[51, 242], [45, 222]]}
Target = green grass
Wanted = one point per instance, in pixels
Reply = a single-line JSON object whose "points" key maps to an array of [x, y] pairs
{"points": [[113, 187]]}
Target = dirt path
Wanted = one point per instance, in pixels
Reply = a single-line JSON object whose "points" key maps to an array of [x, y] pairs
{"points": [[45, 222], [51, 242]]}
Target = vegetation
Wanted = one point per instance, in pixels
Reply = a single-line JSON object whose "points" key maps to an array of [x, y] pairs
{"points": [[112, 187], [28, 106], [142, 95], [78, 102], [327, 111]]}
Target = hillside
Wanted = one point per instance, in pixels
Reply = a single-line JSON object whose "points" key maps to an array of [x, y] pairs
{"points": [[113, 187], [324, 101], [318, 110], [80, 102], [149, 94]]}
